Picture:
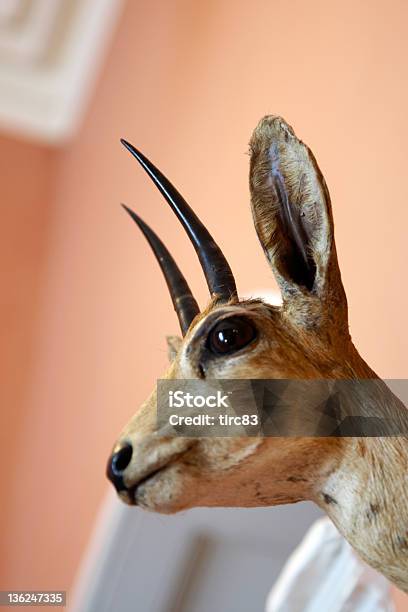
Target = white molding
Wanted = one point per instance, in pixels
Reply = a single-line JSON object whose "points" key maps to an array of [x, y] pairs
{"points": [[137, 560], [106, 528], [44, 86], [29, 41]]}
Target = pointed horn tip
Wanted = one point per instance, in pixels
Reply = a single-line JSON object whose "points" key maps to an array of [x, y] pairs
{"points": [[132, 214], [127, 209], [130, 147], [127, 145]]}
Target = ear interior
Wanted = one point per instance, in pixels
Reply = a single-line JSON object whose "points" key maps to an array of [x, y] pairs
{"points": [[291, 207], [293, 239]]}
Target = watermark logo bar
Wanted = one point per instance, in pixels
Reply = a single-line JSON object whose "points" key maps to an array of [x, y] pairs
{"points": [[282, 408]]}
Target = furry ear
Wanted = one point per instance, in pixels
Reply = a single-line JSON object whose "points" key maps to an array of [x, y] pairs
{"points": [[173, 346], [292, 215]]}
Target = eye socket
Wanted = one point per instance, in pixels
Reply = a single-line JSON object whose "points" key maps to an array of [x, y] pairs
{"points": [[231, 335]]}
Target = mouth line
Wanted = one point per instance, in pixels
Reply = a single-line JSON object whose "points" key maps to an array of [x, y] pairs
{"points": [[132, 491]]}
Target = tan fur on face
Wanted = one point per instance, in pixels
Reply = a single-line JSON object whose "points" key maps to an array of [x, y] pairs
{"points": [[360, 483]]}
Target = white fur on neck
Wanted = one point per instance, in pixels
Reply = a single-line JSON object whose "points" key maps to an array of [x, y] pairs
{"points": [[367, 499]]}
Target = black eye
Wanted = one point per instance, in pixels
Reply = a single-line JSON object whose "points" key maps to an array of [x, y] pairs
{"points": [[230, 335]]}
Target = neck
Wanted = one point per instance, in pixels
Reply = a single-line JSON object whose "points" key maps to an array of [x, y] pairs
{"points": [[366, 496], [365, 489]]}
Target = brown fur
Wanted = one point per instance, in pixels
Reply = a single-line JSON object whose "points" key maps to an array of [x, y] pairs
{"points": [[360, 482]]}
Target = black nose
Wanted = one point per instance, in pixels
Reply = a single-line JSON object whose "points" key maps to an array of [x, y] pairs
{"points": [[117, 464]]}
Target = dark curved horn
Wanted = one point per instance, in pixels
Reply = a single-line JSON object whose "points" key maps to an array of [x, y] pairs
{"points": [[183, 301], [217, 272]]}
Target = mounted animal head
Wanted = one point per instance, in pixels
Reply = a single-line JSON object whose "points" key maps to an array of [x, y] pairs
{"points": [[306, 338], [361, 482]]}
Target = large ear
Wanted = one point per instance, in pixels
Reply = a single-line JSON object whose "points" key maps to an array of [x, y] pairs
{"points": [[293, 218]]}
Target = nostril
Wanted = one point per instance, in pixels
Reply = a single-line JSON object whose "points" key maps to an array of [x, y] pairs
{"points": [[121, 459], [117, 464]]}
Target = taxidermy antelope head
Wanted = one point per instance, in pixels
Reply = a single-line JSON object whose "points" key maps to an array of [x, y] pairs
{"points": [[362, 483]]}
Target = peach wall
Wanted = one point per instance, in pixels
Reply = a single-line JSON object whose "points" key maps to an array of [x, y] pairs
{"points": [[187, 82], [26, 197]]}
